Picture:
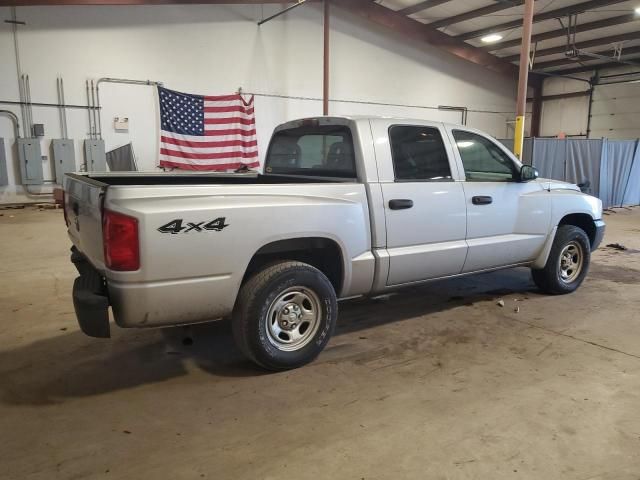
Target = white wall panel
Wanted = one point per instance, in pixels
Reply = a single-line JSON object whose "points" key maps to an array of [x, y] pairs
{"points": [[213, 50]]}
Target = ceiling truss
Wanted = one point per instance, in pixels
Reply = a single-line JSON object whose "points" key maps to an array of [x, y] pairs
{"points": [[437, 33]]}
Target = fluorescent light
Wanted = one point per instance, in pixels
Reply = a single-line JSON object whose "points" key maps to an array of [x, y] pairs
{"points": [[465, 144], [637, 10], [491, 38]]}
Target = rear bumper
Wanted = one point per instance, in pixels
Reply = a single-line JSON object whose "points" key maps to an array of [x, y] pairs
{"points": [[146, 304], [171, 303], [597, 239], [90, 299]]}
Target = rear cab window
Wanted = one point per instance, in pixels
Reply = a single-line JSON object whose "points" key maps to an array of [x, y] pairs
{"points": [[314, 150]]}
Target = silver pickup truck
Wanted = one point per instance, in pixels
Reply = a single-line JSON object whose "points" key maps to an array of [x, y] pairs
{"points": [[346, 207]]}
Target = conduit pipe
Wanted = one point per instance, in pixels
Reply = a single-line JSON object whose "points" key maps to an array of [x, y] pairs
{"points": [[14, 118], [125, 81], [325, 60]]}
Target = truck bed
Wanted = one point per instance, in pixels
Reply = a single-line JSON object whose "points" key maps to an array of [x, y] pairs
{"points": [[189, 272], [194, 178]]}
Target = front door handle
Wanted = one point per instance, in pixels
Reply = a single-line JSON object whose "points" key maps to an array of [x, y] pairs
{"points": [[482, 200], [400, 203]]}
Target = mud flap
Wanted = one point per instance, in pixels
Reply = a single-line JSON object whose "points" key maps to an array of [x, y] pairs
{"points": [[90, 300]]}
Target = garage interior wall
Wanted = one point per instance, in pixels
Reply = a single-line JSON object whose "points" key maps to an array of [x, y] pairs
{"points": [[216, 49], [615, 112]]}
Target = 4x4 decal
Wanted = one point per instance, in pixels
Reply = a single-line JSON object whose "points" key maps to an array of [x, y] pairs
{"points": [[176, 226]]}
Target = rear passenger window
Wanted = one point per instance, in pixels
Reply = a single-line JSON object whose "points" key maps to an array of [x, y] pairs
{"points": [[419, 154]]}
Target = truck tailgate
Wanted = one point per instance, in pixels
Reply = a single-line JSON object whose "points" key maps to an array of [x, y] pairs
{"points": [[83, 205]]}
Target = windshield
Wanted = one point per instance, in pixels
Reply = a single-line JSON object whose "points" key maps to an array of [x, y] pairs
{"points": [[319, 150]]}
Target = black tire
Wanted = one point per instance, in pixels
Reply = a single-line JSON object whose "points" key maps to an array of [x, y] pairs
{"points": [[269, 288], [550, 278]]}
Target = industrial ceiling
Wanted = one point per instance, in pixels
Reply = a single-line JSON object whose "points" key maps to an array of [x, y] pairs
{"points": [[569, 36]]}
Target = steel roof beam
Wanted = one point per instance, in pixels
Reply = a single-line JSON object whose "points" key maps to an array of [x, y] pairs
{"points": [[586, 44], [589, 68], [562, 32], [568, 60], [550, 15], [478, 12], [419, 7], [28, 3]]}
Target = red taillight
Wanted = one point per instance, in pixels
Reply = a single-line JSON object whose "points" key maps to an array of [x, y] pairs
{"points": [[120, 237]]}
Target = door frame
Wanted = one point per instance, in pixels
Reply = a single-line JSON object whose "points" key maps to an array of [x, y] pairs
{"points": [[386, 175]]}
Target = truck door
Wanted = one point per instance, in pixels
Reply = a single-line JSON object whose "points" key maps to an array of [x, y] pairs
{"points": [[424, 201], [507, 220]]}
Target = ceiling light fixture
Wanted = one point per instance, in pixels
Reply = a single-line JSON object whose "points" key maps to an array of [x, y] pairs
{"points": [[491, 38], [637, 10]]}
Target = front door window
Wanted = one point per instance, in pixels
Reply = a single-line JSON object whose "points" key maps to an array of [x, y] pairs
{"points": [[483, 160]]}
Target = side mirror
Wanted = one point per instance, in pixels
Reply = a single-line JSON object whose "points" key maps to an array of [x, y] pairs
{"points": [[585, 186], [528, 173]]}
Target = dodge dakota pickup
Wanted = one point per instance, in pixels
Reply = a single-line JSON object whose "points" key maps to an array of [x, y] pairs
{"points": [[346, 207]]}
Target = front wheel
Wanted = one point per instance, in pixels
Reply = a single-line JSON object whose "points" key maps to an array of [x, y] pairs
{"points": [[285, 315], [568, 262]]}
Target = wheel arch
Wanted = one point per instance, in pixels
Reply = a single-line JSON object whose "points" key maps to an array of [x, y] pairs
{"points": [[323, 253], [583, 221]]}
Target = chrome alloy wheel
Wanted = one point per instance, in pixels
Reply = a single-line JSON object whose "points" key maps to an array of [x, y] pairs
{"points": [[571, 262], [293, 319]]}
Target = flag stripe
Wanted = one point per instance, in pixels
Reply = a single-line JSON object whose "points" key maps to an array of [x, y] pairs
{"points": [[226, 150], [208, 156], [227, 109], [203, 138], [222, 166], [229, 121], [228, 115], [214, 144], [213, 132], [223, 98], [233, 103]]}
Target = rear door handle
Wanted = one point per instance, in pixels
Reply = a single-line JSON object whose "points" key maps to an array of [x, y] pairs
{"points": [[400, 203], [482, 200]]}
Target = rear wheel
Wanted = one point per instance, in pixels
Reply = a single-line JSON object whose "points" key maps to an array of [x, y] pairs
{"points": [[285, 315], [568, 262]]}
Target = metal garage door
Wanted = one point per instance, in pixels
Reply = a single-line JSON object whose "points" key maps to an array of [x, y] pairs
{"points": [[615, 112]]}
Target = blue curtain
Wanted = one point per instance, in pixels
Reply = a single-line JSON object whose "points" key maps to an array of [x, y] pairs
{"points": [[583, 163], [612, 167], [615, 171], [631, 194], [549, 157]]}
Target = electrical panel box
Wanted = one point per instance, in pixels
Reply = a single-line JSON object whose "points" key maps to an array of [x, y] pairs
{"points": [[30, 158], [64, 158], [4, 178], [95, 155], [38, 129]]}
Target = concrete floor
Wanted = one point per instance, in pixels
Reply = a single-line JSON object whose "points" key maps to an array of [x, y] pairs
{"points": [[436, 382]]}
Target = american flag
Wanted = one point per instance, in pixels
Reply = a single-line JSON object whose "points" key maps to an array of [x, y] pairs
{"points": [[202, 132]]}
